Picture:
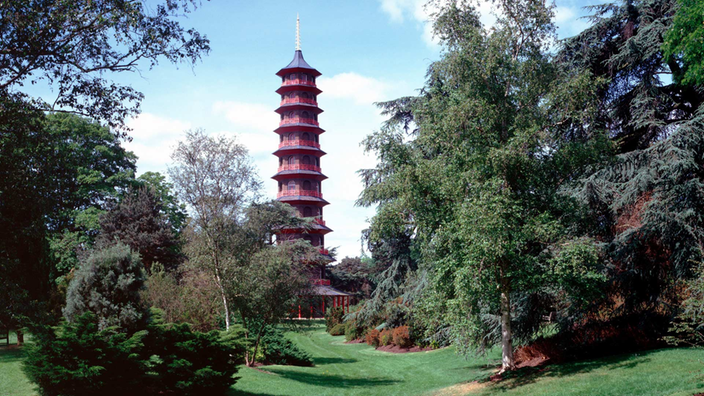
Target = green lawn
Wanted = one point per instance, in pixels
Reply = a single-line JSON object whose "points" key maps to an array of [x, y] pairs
{"points": [[13, 382], [360, 370]]}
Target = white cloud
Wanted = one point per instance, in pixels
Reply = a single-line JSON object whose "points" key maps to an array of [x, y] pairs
{"points": [[362, 90], [153, 140], [252, 117]]}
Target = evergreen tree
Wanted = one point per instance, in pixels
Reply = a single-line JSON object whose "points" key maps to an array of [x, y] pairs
{"points": [[649, 199], [108, 285]]}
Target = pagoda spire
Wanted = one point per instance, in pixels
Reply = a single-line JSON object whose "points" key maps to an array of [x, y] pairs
{"points": [[298, 33]]}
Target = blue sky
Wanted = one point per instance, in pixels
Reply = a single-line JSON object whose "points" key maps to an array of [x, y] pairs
{"points": [[367, 50]]}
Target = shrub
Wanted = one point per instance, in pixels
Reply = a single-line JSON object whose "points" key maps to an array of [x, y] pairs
{"points": [[333, 317], [372, 338], [385, 337], [352, 332], [188, 362], [277, 349], [402, 337], [108, 284], [338, 329], [79, 359]]}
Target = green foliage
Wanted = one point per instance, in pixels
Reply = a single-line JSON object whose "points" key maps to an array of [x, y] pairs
{"points": [[688, 326], [353, 331], [77, 358], [84, 41], [174, 210], [80, 359], [333, 317], [647, 201], [277, 349], [108, 284], [469, 181], [684, 43], [187, 362], [338, 330]]}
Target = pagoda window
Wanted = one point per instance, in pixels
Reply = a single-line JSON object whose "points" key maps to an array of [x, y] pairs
{"points": [[315, 117], [306, 185], [305, 136], [306, 160], [290, 114], [291, 136], [291, 160], [316, 138], [317, 161], [281, 138], [281, 186], [307, 212], [305, 114], [304, 77], [282, 117], [304, 95], [291, 185]]}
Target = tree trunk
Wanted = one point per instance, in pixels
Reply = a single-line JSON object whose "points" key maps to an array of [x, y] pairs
{"points": [[507, 361], [224, 298], [249, 362], [20, 337]]}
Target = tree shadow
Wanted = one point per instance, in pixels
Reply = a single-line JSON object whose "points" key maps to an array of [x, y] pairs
{"points": [[319, 361], [236, 392], [11, 354], [528, 375], [334, 381]]}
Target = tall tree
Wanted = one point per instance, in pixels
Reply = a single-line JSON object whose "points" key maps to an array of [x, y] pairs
{"points": [[57, 173], [649, 199], [215, 177], [475, 184]]}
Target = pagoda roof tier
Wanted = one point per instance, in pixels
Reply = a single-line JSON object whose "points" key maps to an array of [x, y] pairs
{"points": [[298, 64], [299, 174], [317, 229], [298, 106], [286, 128], [298, 149], [303, 200], [286, 88]]}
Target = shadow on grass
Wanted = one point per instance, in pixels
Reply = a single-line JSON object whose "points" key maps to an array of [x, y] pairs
{"points": [[528, 375], [235, 392], [319, 361], [334, 381], [11, 354]]}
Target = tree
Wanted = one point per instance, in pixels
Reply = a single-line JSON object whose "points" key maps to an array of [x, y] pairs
{"points": [[72, 45], [108, 285], [278, 279], [138, 221], [216, 178], [474, 188], [57, 174], [171, 207], [648, 200], [684, 43]]}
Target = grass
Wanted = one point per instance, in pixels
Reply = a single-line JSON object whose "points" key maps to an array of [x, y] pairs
{"points": [[671, 372], [358, 369], [13, 382]]}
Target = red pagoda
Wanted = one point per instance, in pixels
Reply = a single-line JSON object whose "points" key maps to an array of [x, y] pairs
{"points": [[299, 175]]}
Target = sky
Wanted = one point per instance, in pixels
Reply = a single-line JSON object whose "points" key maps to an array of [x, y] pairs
{"points": [[367, 51]]}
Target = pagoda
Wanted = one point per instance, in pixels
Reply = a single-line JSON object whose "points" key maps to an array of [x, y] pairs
{"points": [[299, 175]]}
